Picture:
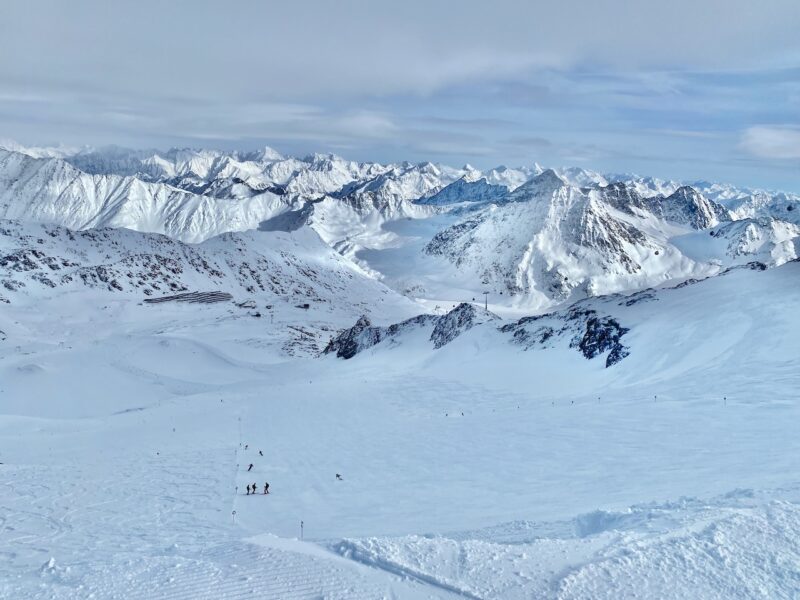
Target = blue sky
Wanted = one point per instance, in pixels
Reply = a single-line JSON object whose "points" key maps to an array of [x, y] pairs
{"points": [[686, 90]]}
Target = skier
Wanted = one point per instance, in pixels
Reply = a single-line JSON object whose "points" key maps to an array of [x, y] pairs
{"points": [[260, 453], [266, 488], [245, 446], [254, 487], [250, 468], [339, 477], [248, 489]]}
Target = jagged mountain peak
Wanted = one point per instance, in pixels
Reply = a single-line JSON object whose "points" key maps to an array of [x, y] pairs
{"points": [[578, 233], [581, 177], [466, 189], [544, 184], [687, 205], [318, 158], [264, 155]]}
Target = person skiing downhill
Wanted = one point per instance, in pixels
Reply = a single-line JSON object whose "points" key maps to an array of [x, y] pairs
{"points": [[248, 489], [250, 468], [254, 488], [266, 488]]}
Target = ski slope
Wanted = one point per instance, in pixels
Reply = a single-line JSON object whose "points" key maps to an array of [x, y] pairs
{"points": [[476, 470]]}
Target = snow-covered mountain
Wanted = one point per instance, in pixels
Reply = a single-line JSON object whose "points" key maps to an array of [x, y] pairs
{"points": [[604, 327], [536, 237], [548, 241], [466, 190], [619, 422], [50, 190], [256, 273]]}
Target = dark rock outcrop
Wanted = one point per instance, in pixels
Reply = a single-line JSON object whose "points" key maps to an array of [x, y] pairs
{"points": [[462, 190], [603, 334], [590, 333], [462, 318], [445, 329], [351, 341], [364, 335]]}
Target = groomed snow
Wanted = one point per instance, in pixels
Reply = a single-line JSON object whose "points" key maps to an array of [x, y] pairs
{"points": [[670, 474]]}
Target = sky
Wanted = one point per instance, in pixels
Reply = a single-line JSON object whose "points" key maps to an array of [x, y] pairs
{"points": [[701, 89]]}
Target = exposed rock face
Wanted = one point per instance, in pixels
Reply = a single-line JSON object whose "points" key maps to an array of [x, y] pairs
{"points": [[753, 266], [586, 330], [589, 332], [462, 318], [445, 329], [364, 335], [688, 206], [602, 335], [351, 341], [463, 190], [685, 206], [545, 184]]}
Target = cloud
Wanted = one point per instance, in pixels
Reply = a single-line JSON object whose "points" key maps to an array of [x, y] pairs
{"points": [[772, 142], [294, 50], [609, 83]]}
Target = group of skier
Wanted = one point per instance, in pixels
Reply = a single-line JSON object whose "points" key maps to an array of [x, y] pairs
{"points": [[253, 489]]}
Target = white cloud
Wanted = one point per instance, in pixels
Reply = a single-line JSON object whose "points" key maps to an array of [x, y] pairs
{"points": [[292, 51], [607, 82], [771, 141]]}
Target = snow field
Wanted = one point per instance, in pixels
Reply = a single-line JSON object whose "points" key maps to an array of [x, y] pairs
{"points": [[671, 474]]}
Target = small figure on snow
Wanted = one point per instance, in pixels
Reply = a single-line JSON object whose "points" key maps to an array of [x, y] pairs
{"points": [[248, 489], [250, 468], [339, 477], [260, 453], [245, 446], [254, 487], [266, 488]]}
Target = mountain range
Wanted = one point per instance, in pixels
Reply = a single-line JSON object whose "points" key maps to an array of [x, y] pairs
{"points": [[530, 237]]}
